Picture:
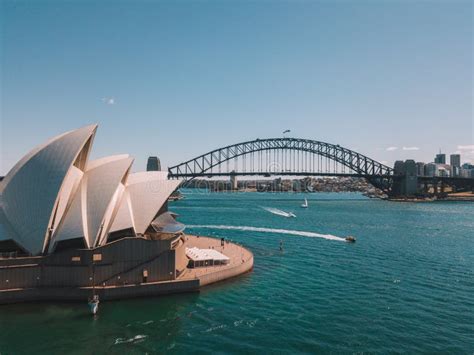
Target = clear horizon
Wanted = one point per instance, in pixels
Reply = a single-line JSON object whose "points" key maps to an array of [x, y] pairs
{"points": [[391, 81]]}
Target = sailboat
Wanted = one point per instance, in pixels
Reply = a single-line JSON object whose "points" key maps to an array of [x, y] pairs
{"points": [[305, 204]]}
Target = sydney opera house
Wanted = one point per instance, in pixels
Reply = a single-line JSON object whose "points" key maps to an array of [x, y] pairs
{"points": [[68, 223]]}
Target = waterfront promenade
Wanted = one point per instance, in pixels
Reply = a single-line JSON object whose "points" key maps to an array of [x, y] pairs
{"points": [[241, 261]]}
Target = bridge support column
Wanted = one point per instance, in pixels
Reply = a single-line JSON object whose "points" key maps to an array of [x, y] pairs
{"points": [[234, 184]]}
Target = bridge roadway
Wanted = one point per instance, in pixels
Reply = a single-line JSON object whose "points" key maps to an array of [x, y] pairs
{"points": [[427, 179], [269, 174]]}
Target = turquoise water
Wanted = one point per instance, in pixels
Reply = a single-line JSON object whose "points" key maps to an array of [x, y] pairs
{"points": [[406, 285]]}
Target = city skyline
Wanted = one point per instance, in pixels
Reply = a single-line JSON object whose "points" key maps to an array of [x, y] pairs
{"points": [[393, 82]]}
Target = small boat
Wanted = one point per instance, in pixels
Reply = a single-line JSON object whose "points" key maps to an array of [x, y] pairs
{"points": [[305, 204], [350, 239], [279, 212], [93, 304]]}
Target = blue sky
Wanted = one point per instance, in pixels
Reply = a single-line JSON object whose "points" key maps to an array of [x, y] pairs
{"points": [[179, 78]]}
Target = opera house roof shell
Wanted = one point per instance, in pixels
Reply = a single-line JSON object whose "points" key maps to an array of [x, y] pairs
{"points": [[55, 194]]}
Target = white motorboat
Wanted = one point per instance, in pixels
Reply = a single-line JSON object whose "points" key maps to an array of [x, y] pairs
{"points": [[279, 212]]}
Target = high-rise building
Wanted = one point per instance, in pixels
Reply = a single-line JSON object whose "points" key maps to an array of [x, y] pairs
{"points": [[399, 167], [455, 160], [467, 170], [431, 169], [153, 164], [420, 168], [440, 158], [466, 173], [411, 179]]}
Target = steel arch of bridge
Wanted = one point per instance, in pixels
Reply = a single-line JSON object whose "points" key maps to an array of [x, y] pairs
{"points": [[360, 164]]}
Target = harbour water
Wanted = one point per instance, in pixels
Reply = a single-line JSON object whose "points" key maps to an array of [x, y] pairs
{"points": [[406, 285]]}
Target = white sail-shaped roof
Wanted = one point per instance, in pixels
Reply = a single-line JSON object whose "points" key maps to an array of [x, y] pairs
{"points": [[73, 223], [70, 185], [32, 191], [103, 178], [146, 192], [54, 194], [95, 202], [123, 219], [110, 215]]}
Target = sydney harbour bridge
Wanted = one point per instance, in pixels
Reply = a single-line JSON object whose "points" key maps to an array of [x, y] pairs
{"points": [[302, 157]]}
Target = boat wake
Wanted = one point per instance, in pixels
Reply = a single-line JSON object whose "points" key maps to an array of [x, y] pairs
{"points": [[278, 212], [135, 339], [271, 230]]}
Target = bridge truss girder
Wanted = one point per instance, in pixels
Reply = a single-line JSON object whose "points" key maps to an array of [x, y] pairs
{"points": [[377, 173]]}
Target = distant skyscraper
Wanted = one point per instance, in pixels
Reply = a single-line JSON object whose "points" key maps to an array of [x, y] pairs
{"points": [[411, 180], [153, 164], [431, 169], [455, 160], [467, 170], [399, 167], [420, 168], [440, 158]]}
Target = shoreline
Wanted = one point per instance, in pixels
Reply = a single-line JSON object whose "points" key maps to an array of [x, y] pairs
{"points": [[462, 198]]}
